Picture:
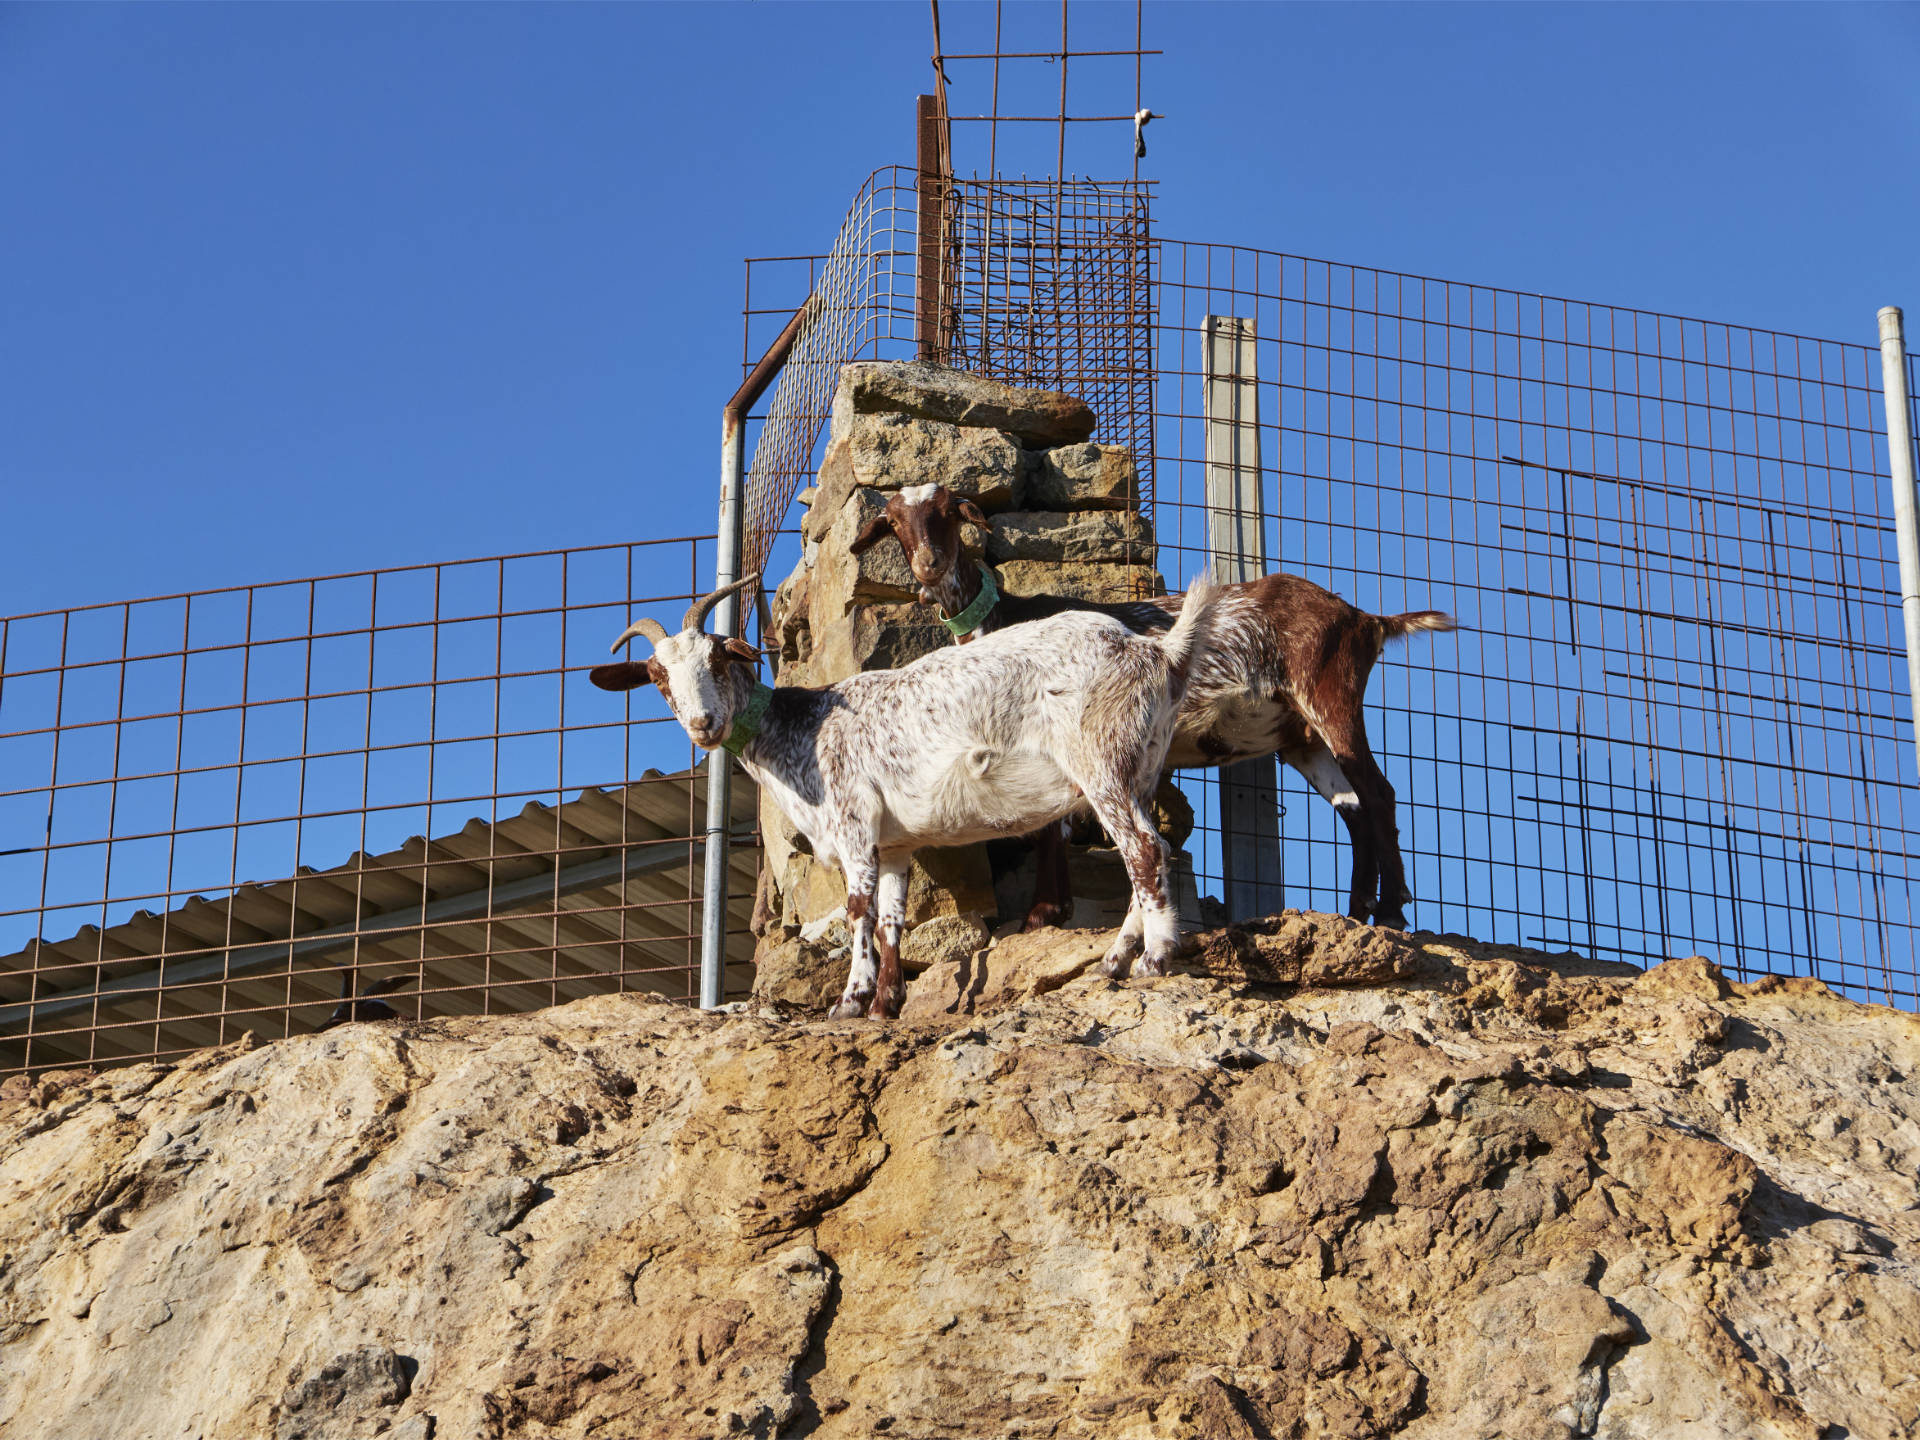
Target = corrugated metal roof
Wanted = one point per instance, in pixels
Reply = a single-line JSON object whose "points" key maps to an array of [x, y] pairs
{"points": [[557, 902]]}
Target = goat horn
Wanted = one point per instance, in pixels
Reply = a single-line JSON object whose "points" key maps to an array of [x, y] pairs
{"points": [[697, 612], [652, 629]]}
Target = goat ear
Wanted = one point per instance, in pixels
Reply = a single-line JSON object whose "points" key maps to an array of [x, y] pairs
{"points": [[971, 511], [625, 675], [741, 650], [877, 529]]}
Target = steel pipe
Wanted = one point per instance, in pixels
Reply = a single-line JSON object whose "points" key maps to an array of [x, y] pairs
{"points": [[1906, 519], [731, 537]]}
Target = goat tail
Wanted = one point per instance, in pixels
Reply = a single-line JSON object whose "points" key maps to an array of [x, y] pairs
{"points": [[1190, 633], [1399, 627]]}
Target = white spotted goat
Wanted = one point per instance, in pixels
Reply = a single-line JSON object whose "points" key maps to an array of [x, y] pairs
{"points": [[997, 738]]}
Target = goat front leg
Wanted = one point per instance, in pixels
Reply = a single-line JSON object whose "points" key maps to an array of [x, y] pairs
{"points": [[1053, 877], [862, 876], [891, 990]]}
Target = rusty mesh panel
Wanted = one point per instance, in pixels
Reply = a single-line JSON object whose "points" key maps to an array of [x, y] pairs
{"points": [[1041, 284], [861, 290], [274, 807]]}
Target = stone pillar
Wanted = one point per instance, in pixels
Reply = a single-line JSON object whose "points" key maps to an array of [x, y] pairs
{"points": [[1065, 520]]}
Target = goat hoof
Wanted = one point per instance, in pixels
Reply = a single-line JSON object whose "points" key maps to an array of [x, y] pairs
{"points": [[1041, 916], [1395, 919], [887, 1007], [1149, 967], [851, 1007], [1115, 967]]}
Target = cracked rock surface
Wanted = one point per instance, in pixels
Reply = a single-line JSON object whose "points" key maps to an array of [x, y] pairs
{"points": [[1327, 1182]]}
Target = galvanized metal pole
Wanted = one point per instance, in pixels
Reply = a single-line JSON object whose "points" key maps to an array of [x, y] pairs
{"points": [[726, 570], [1906, 519], [731, 538]]}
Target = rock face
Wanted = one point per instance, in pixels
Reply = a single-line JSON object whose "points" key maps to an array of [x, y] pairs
{"points": [[1449, 1190], [1062, 521]]}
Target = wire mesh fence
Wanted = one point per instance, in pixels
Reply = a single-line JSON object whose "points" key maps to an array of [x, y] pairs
{"points": [[275, 807], [858, 300], [1677, 723]]}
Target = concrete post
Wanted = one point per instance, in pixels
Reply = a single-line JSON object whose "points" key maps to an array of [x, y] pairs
{"points": [[1906, 523], [1253, 875]]}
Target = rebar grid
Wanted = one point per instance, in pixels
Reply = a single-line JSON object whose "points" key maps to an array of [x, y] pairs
{"points": [[1025, 77], [156, 756], [1043, 284], [1050, 285], [1677, 721]]}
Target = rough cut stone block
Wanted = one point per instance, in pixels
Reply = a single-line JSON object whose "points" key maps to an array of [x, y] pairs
{"points": [[933, 392], [830, 490], [891, 452], [954, 880], [943, 940], [791, 605], [1080, 582], [951, 881], [872, 637], [1121, 536], [878, 576], [1013, 969], [792, 973], [1084, 477]]}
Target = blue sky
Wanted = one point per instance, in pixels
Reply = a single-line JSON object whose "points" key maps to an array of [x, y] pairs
{"points": [[304, 289]]}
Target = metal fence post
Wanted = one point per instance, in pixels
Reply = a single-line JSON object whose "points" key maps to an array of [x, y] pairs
{"points": [[1906, 523], [731, 538], [931, 241], [726, 570]]}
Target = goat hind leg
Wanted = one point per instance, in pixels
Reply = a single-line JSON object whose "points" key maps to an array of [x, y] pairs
{"points": [[1363, 773], [1318, 765], [1150, 931]]}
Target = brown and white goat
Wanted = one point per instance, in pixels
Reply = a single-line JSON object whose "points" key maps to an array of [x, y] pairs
{"points": [[1284, 672], [962, 745]]}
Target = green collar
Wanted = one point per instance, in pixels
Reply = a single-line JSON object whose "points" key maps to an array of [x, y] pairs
{"points": [[746, 724], [968, 620]]}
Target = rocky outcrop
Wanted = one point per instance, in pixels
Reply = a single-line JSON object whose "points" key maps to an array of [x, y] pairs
{"points": [[1329, 1182], [1063, 518]]}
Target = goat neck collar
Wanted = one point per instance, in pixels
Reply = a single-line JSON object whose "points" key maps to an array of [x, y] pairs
{"points": [[968, 620], [747, 723]]}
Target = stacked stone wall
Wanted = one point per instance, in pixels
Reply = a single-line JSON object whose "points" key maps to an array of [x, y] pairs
{"points": [[1065, 520]]}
